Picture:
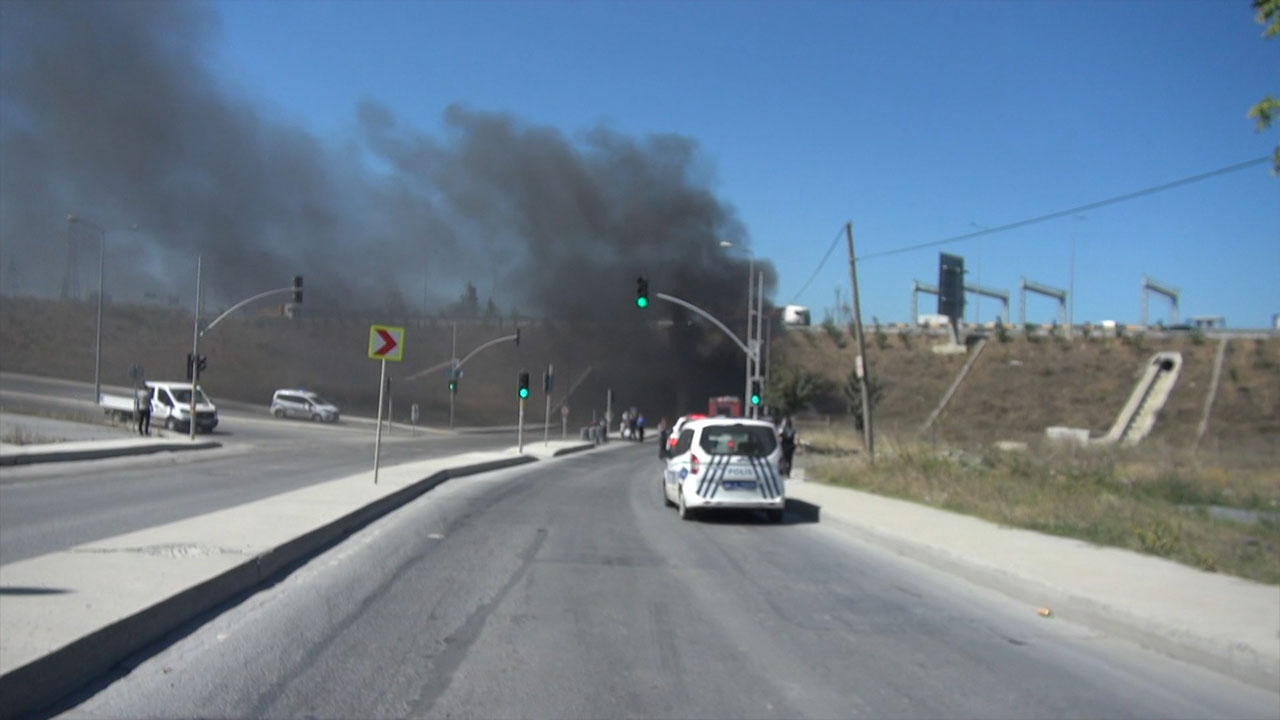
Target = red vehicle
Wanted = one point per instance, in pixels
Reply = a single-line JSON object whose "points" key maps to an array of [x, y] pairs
{"points": [[725, 405]]}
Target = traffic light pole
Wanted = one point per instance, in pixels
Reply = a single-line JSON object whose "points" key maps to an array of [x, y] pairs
{"points": [[453, 373], [752, 352], [195, 357], [520, 430], [758, 343], [195, 342]]}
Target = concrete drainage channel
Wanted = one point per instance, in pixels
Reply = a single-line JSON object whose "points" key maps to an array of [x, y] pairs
{"points": [[43, 681]]}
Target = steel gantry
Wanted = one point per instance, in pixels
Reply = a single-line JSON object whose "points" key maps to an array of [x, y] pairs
{"points": [[1149, 286], [918, 287], [1057, 293]]}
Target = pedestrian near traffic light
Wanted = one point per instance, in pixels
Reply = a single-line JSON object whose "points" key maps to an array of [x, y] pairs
{"points": [[142, 408]]}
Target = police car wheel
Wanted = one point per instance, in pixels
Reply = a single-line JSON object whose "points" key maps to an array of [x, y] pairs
{"points": [[278, 412], [170, 424], [666, 501], [315, 418], [686, 513]]}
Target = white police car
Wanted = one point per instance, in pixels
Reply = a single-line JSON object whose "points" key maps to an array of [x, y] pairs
{"points": [[725, 463], [303, 404]]}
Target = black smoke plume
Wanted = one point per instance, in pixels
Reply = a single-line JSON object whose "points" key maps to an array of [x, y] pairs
{"points": [[111, 111]]}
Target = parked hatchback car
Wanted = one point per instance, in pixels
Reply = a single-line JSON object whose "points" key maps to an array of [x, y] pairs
{"points": [[725, 463], [303, 404]]}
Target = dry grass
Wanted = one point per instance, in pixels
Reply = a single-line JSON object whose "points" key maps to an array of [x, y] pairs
{"points": [[1151, 500], [24, 436]]}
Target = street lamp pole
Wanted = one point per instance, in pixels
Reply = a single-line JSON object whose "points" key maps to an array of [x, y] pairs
{"points": [[102, 262], [751, 282]]}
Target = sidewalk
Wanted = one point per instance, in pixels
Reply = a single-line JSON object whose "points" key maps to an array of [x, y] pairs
{"points": [[68, 617], [1225, 623]]}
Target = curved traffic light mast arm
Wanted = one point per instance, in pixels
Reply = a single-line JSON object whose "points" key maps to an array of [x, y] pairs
{"points": [[709, 316], [447, 363], [242, 303], [491, 343], [433, 368]]}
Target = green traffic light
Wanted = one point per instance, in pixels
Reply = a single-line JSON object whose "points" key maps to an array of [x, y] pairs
{"points": [[524, 393], [642, 302], [755, 399]]}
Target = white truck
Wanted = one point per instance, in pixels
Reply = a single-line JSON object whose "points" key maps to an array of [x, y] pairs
{"points": [[170, 407]]}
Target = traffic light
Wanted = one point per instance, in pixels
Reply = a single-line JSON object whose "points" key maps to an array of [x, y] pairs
{"points": [[453, 385], [189, 367], [524, 384], [297, 289], [201, 364], [642, 292], [755, 391]]}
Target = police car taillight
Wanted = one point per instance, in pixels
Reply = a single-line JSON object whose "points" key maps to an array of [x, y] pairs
{"points": [[693, 464]]}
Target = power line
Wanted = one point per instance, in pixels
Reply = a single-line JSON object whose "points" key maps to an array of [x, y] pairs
{"points": [[1062, 213], [817, 270]]}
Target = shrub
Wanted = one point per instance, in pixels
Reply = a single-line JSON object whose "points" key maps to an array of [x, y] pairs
{"points": [[834, 332]]}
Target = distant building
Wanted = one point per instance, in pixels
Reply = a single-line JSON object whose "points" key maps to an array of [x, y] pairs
{"points": [[1205, 322]]}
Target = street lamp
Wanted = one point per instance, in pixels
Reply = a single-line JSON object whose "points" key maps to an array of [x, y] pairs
{"points": [[977, 302], [1071, 285], [102, 261], [753, 362]]}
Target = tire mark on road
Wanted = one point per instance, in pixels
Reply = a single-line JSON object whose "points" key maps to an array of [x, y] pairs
{"points": [[458, 643]]}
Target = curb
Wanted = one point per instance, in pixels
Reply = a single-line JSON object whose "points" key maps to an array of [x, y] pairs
{"points": [[1242, 663], [32, 458], [570, 450], [41, 683]]}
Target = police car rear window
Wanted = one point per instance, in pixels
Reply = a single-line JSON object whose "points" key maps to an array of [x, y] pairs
{"points": [[749, 440]]}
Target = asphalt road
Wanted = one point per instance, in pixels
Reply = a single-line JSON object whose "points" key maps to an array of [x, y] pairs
{"points": [[566, 590], [54, 506]]}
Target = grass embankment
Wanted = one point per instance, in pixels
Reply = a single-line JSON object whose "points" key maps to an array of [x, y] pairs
{"points": [[1155, 501]]}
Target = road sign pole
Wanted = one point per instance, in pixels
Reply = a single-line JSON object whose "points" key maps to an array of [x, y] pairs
{"points": [[377, 437]]}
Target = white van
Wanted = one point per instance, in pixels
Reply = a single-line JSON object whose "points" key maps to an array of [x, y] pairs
{"points": [[171, 407], [725, 463]]}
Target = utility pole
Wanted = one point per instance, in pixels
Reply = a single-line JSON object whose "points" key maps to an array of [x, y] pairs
{"points": [[867, 435]]}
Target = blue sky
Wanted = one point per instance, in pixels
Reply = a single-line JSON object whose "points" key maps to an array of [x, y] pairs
{"points": [[916, 121]]}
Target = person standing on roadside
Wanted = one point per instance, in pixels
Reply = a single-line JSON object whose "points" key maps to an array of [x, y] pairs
{"points": [[640, 427], [787, 439], [142, 408], [664, 432]]}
